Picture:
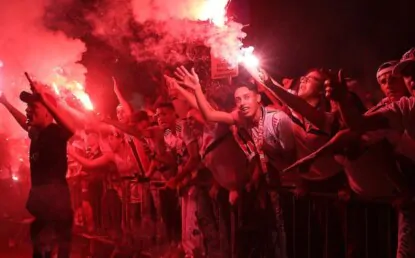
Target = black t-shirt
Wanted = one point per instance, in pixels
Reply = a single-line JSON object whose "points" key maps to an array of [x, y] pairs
{"points": [[48, 155]]}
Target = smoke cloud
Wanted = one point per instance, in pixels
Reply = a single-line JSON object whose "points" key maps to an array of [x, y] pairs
{"points": [[157, 29], [27, 45]]}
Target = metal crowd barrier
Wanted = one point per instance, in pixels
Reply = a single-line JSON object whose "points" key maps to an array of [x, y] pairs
{"points": [[312, 225]]}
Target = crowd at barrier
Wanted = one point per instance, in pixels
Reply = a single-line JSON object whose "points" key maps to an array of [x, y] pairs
{"points": [[258, 168]]}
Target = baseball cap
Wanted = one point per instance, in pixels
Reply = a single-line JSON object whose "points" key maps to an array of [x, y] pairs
{"points": [[407, 59], [386, 68], [30, 98]]}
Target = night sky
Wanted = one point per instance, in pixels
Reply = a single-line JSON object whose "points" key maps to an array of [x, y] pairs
{"points": [[357, 35]]}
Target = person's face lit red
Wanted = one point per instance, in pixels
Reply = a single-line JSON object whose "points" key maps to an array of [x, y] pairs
{"points": [[37, 115], [115, 140], [122, 116], [247, 101], [165, 117], [311, 86], [193, 118], [393, 87]]}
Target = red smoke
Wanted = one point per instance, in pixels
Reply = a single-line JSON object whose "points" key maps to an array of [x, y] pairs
{"points": [[164, 25], [26, 45]]}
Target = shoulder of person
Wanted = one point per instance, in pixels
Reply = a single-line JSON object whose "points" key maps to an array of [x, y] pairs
{"points": [[54, 127], [271, 109], [59, 130], [277, 115], [384, 102]]}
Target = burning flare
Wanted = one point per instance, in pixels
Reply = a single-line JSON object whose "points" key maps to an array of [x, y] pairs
{"points": [[248, 58], [215, 12], [63, 87]]}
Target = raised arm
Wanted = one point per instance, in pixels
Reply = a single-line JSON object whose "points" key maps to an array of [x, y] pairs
{"points": [[269, 93], [191, 99], [313, 115], [191, 80], [90, 163], [336, 144], [336, 90], [173, 85], [59, 113], [123, 127], [161, 154], [18, 116], [123, 102], [180, 105]]}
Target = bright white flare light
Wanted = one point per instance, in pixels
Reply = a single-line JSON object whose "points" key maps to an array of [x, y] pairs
{"points": [[15, 178], [248, 58]]}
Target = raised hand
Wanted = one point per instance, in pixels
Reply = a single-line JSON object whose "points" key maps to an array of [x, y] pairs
{"points": [[187, 79], [336, 88], [263, 75], [115, 85], [257, 73], [42, 89], [172, 86]]}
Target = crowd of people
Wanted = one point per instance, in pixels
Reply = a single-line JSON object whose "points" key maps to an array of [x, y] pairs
{"points": [[178, 171]]}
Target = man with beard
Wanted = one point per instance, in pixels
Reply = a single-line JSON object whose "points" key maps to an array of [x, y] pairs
{"points": [[48, 167], [265, 136]]}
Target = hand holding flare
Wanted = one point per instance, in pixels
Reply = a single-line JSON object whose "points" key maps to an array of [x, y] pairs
{"points": [[336, 88]]}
